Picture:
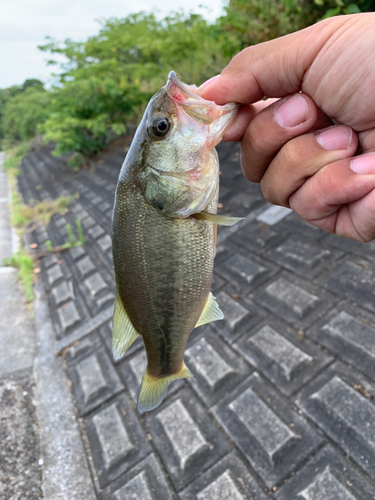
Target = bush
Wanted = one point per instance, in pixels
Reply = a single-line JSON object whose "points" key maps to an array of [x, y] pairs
{"points": [[109, 79], [24, 112]]}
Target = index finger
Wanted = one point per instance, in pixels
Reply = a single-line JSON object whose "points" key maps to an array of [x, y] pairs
{"points": [[273, 69]]}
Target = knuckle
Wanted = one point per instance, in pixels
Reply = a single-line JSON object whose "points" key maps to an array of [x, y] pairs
{"points": [[268, 192]]}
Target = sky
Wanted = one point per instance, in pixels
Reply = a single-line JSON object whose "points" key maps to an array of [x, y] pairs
{"points": [[24, 24]]}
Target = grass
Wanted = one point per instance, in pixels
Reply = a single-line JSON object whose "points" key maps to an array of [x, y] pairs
{"points": [[23, 215], [25, 264], [73, 242]]}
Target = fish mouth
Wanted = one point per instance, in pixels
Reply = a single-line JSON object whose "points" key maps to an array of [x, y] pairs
{"points": [[187, 97], [180, 91]]}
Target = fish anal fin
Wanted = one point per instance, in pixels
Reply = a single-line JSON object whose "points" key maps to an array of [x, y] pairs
{"points": [[222, 220], [153, 389], [123, 331], [211, 312]]}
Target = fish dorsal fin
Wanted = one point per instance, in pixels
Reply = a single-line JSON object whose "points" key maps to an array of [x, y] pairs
{"points": [[211, 312], [153, 390], [123, 332], [222, 220]]}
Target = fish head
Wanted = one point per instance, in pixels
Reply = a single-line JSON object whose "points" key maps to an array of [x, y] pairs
{"points": [[174, 144]]}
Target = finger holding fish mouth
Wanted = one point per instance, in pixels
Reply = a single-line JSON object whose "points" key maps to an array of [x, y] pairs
{"points": [[305, 162]]}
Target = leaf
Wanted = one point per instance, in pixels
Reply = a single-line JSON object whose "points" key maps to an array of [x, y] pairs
{"points": [[352, 8]]}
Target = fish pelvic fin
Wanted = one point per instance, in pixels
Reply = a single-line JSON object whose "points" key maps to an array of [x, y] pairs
{"points": [[211, 312], [153, 389], [222, 220], [123, 331]]}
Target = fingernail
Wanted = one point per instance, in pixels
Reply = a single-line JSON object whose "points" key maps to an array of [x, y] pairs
{"points": [[364, 164], [336, 138], [292, 112], [208, 82]]}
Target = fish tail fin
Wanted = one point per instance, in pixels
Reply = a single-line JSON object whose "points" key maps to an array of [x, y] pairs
{"points": [[153, 390]]}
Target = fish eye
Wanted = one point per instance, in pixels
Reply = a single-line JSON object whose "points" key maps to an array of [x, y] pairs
{"points": [[160, 126]]}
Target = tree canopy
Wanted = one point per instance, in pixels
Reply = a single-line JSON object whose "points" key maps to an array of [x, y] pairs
{"points": [[105, 82]]}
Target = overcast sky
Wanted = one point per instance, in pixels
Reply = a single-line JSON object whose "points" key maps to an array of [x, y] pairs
{"points": [[24, 24]]}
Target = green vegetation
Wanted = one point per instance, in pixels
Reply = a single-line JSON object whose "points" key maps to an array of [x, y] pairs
{"points": [[105, 83], [25, 264], [73, 242], [23, 215]]}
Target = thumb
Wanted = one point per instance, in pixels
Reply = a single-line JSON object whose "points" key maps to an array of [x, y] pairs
{"points": [[273, 69]]}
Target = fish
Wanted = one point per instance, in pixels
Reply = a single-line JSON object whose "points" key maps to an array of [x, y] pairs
{"points": [[164, 232]]}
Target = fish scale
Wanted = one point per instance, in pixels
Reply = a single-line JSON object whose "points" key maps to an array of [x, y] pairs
{"points": [[163, 233]]}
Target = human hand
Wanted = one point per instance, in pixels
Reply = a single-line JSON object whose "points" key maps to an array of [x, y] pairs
{"points": [[313, 151]]}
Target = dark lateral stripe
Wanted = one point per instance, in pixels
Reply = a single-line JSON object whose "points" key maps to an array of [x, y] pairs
{"points": [[84, 330]]}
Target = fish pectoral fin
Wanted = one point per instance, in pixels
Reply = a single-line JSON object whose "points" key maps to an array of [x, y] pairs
{"points": [[222, 220], [211, 312], [153, 390], [123, 331]]}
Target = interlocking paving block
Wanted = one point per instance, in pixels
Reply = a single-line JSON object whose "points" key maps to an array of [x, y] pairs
{"points": [[273, 438], [88, 222], [242, 203], [216, 368], [257, 237], [336, 401], [96, 200], [293, 299], [302, 256], [105, 243], [95, 284], [145, 481], [229, 479], [96, 231], [349, 332], [68, 316], [353, 279], [104, 207], [246, 272], [351, 246], [49, 260], [83, 348], [77, 252], [85, 267], [63, 292], [296, 224], [116, 439], [239, 316], [42, 235], [105, 300], [273, 215], [327, 477], [54, 274], [186, 439], [217, 283], [277, 351], [94, 380], [132, 371]]}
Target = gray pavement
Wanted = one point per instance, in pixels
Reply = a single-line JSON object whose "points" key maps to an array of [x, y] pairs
{"points": [[19, 450], [41, 453], [282, 403]]}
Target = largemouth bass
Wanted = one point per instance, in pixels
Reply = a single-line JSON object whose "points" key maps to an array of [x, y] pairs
{"points": [[163, 232]]}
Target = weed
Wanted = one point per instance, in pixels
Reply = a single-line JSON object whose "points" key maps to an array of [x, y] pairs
{"points": [[23, 215], [73, 242], [24, 263]]}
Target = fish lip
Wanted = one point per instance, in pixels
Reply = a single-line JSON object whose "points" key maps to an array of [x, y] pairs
{"points": [[173, 80]]}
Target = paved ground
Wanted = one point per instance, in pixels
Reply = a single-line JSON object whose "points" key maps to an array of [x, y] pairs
{"points": [[282, 404], [20, 475]]}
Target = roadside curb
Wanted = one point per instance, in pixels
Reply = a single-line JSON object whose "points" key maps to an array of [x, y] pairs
{"points": [[65, 469]]}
